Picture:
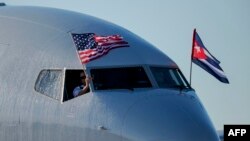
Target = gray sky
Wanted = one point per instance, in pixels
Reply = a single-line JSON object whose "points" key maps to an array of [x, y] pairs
{"points": [[223, 26]]}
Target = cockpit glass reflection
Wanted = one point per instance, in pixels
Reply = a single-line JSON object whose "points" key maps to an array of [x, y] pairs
{"points": [[169, 77], [120, 78], [49, 83]]}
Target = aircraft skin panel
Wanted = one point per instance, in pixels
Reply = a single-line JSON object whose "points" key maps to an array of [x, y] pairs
{"points": [[43, 119], [33, 39], [55, 23]]}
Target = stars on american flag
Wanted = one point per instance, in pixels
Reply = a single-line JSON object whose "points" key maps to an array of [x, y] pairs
{"points": [[84, 41]]}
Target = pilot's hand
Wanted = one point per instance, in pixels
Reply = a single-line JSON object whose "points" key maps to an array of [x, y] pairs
{"points": [[87, 80]]}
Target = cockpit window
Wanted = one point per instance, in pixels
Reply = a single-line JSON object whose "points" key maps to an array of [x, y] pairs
{"points": [[120, 78], [73, 84], [61, 84], [169, 77], [49, 83]]}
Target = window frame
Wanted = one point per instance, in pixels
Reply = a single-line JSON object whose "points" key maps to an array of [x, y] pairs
{"points": [[64, 85]]}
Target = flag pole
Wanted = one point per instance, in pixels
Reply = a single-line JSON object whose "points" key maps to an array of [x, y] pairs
{"points": [[83, 66], [192, 53]]}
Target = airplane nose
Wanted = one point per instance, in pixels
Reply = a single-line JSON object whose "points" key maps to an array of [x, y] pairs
{"points": [[168, 118]]}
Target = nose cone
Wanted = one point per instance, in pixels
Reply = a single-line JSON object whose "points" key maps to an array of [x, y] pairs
{"points": [[168, 118]]}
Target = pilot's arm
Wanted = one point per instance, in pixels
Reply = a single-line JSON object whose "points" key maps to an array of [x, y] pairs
{"points": [[85, 88]]}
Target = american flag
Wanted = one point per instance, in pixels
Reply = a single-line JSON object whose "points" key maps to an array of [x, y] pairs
{"points": [[91, 46]]}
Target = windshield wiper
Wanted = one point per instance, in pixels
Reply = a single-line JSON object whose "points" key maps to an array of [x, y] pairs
{"points": [[180, 87], [130, 88]]}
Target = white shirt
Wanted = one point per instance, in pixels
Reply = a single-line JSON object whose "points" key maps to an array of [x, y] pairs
{"points": [[77, 90]]}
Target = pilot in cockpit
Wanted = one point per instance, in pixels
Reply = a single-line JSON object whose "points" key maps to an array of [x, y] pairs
{"points": [[84, 87]]}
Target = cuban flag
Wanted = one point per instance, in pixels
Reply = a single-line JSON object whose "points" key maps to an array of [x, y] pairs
{"points": [[203, 58]]}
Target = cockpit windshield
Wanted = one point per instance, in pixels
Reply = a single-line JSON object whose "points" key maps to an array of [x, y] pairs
{"points": [[120, 78], [169, 78]]}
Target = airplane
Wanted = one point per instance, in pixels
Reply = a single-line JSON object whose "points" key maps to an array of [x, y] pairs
{"points": [[221, 134], [137, 93]]}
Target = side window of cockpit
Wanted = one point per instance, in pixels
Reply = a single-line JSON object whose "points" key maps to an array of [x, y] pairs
{"points": [[169, 77], [120, 78], [49, 83], [74, 83]]}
